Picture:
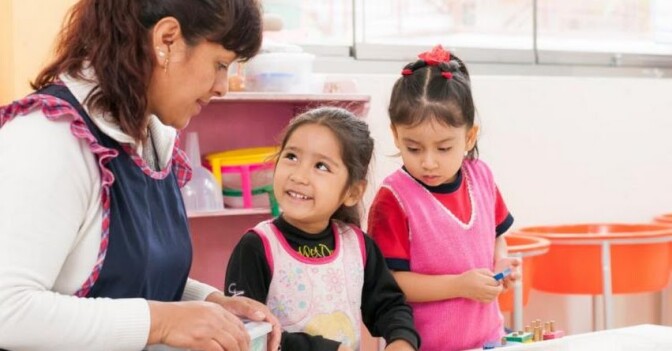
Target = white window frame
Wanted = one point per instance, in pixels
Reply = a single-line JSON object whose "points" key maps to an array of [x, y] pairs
{"points": [[650, 64]]}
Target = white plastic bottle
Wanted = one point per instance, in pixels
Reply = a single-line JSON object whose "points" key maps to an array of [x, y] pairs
{"points": [[202, 193]]}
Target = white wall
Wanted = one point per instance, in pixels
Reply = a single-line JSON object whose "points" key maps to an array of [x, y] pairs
{"points": [[565, 150], [27, 32]]}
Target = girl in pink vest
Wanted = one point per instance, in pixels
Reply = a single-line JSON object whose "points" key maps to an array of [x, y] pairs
{"points": [[439, 220], [313, 266]]}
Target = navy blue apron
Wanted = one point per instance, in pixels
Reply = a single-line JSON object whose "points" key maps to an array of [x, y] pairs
{"points": [[149, 252]]}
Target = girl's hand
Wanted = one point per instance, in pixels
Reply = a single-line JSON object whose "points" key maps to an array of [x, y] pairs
{"points": [[343, 347], [478, 284], [508, 262], [253, 310], [196, 325], [399, 345]]}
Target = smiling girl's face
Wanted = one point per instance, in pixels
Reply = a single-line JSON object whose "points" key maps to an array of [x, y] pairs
{"points": [[310, 178]]}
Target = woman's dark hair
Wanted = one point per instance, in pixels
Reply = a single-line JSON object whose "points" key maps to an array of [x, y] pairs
{"points": [[439, 91], [356, 147], [112, 36]]}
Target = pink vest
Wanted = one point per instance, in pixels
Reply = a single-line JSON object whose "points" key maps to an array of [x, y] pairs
{"points": [[319, 296], [441, 244]]}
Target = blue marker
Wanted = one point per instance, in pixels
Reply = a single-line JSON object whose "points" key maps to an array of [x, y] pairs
{"points": [[503, 274]]}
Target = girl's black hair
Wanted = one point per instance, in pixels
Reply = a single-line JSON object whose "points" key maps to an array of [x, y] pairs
{"points": [[441, 92]]}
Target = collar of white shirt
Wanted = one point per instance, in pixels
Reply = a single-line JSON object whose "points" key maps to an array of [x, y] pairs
{"points": [[163, 135]]}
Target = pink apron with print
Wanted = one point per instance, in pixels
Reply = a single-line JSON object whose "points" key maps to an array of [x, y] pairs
{"points": [[317, 296]]}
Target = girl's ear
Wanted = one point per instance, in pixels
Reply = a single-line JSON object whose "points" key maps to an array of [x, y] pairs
{"points": [[355, 193], [472, 136]]}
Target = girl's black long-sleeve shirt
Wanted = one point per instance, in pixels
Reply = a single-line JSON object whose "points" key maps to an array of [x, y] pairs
{"points": [[384, 308]]}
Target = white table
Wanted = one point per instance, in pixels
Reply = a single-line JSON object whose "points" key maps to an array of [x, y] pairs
{"points": [[645, 337]]}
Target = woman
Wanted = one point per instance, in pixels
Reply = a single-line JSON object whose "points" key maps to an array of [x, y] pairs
{"points": [[94, 241]]}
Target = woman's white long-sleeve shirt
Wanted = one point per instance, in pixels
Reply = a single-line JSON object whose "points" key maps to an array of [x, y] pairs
{"points": [[50, 231]]}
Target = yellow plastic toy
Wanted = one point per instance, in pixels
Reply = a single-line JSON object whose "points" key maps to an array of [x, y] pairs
{"points": [[246, 162]]}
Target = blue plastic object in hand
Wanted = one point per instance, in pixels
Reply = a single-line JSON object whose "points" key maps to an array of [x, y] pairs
{"points": [[503, 274]]}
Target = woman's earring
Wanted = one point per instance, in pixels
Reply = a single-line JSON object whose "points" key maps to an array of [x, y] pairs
{"points": [[165, 57]]}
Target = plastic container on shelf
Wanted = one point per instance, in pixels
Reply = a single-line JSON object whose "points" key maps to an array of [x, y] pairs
{"points": [[237, 79], [289, 72], [259, 177], [234, 199], [573, 264], [528, 248], [261, 197], [243, 170], [203, 192]]}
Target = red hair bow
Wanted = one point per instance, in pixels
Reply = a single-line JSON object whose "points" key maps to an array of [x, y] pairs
{"points": [[447, 75], [436, 56]]}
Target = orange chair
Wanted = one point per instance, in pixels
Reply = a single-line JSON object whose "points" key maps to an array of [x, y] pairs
{"points": [[666, 294], [666, 219], [602, 259], [527, 248], [573, 263]]}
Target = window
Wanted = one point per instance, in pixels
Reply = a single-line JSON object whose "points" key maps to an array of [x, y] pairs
{"points": [[462, 23], [313, 22], [603, 32], [473, 27], [615, 27]]}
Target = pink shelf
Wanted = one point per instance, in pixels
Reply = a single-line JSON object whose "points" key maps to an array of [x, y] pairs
{"points": [[213, 239], [229, 212], [280, 97], [240, 120]]}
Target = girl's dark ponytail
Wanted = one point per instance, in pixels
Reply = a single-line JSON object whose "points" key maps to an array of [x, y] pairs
{"points": [[349, 215]]}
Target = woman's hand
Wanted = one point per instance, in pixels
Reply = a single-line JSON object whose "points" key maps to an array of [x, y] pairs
{"points": [[344, 347], [479, 285], [196, 325], [252, 310], [508, 262], [399, 345]]}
